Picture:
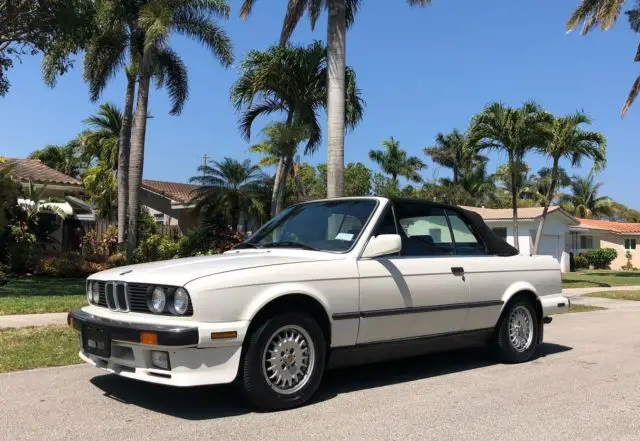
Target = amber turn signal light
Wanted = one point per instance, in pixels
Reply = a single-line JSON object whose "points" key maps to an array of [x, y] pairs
{"points": [[148, 338], [223, 335]]}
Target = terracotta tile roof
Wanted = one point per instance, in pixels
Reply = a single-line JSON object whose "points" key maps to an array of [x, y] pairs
{"points": [[175, 191], [614, 227], [506, 213], [35, 171]]}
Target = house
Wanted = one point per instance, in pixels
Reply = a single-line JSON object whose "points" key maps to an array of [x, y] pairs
{"points": [[58, 190], [593, 233], [555, 235], [170, 203]]}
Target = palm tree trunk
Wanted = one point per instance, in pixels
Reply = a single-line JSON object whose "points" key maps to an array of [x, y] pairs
{"points": [[137, 161], [455, 174], [124, 145], [277, 183], [288, 161], [514, 202], [336, 47], [547, 203]]}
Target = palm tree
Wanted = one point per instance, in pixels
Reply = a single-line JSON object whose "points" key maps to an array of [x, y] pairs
{"points": [[229, 188], [584, 200], [537, 187], [102, 140], [514, 131], [157, 19], [64, 158], [341, 15], [605, 13], [454, 152], [568, 140], [395, 162], [289, 80]]}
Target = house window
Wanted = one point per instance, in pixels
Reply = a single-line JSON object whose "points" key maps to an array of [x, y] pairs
{"points": [[629, 244], [501, 232], [159, 217], [586, 242]]}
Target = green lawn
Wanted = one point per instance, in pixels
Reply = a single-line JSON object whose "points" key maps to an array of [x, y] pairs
{"points": [[584, 308], [32, 295], [591, 279], [29, 348], [619, 295]]}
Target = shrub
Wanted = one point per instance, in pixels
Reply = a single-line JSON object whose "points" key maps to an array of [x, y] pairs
{"points": [[4, 279], [117, 259], [209, 240], [601, 258], [98, 247], [629, 265], [24, 250], [581, 262], [156, 247], [71, 265]]}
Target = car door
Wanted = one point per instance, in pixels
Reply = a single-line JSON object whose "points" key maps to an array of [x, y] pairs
{"points": [[422, 291], [488, 276]]}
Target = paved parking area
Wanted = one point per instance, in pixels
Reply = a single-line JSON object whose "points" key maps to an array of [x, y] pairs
{"points": [[583, 386]]}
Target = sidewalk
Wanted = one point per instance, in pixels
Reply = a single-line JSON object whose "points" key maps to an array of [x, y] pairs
{"points": [[572, 292], [23, 321]]}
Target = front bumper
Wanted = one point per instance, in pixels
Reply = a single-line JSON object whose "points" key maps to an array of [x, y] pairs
{"points": [[554, 304], [195, 357]]}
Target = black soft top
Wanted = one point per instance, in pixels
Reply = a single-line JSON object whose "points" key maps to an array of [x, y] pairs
{"points": [[494, 243]]}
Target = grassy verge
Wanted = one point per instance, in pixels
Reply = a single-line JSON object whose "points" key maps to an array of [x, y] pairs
{"points": [[583, 308], [590, 279], [34, 295], [619, 295], [29, 348]]}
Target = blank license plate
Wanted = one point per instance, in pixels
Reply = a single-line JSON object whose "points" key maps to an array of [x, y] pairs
{"points": [[96, 341]]}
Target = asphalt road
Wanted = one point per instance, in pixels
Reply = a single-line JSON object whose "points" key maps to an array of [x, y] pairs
{"points": [[585, 385]]}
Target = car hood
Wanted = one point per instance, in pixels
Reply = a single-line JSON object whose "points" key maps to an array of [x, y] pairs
{"points": [[178, 272]]}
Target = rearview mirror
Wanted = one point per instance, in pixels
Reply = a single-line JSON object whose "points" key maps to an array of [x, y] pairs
{"points": [[383, 245]]}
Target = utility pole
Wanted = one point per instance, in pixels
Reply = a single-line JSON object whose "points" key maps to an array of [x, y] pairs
{"points": [[205, 159]]}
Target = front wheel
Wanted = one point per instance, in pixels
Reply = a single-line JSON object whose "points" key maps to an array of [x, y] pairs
{"points": [[284, 361], [516, 336]]}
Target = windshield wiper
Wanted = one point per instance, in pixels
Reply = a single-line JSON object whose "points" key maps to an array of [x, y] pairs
{"points": [[288, 245], [246, 245]]}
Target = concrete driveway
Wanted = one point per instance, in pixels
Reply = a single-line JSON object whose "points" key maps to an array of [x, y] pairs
{"points": [[583, 386]]}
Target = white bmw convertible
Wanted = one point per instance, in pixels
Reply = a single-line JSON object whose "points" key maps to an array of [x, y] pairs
{"points": [[324, 284]]}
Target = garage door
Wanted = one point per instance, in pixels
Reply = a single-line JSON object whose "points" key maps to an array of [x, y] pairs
{"points": [[550, 246]]}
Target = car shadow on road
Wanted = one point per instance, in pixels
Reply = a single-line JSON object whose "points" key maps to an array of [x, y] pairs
{"points": [[211, 402]]}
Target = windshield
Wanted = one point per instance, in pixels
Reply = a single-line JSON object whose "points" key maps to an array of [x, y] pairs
{"points": [[323, 226]]}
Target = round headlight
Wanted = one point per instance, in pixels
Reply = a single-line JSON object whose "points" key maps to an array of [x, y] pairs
{"points": [[95, 290], [180, 301], [89, 292], [158, 300]]}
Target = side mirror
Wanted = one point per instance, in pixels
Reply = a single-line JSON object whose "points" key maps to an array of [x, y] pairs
{"points": [[383, 245]]}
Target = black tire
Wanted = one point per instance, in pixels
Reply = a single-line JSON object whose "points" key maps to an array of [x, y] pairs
{"points": [[503, 347], [257, 389]]}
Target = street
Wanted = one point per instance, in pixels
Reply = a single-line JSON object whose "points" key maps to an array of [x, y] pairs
{"points": [[583, 386]]}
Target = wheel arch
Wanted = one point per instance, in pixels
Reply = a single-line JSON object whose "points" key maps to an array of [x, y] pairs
{"points": [[528, 291]]}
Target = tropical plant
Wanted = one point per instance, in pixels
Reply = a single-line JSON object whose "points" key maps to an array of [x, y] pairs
{"points": [[291, 80], [66, 159], [453, 151], [567, 140], [341, 14], [229, 188], [101, 141], [101, 188], [538, 189], [9, 194], [605, 13], [157, 19], [601, 258], [513, 131], [395, 162], [30, 27], [584, 200]]}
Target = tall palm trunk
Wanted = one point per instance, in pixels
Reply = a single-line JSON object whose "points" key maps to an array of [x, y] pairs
{"points": [[514, 202], [124, 145], [286, 168], [137, 161], [336, 47], [547, 203], [277, 183]]}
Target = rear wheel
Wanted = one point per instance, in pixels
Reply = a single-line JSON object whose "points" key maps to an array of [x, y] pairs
{"points": [[284, 361], [516, 336]]}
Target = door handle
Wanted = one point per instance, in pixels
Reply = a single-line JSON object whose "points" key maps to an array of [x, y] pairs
{"points": [[457, 271]]}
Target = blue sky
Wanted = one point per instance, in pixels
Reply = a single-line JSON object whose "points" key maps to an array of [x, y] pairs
{"points": [[421, 71]]}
